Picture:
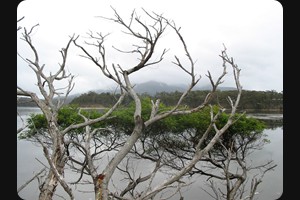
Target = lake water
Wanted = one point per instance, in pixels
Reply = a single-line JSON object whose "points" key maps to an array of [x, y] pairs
{"points": [[29, 157]]}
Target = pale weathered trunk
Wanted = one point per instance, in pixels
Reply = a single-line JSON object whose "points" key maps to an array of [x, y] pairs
{"points": [[108, 172], [48, 188]]}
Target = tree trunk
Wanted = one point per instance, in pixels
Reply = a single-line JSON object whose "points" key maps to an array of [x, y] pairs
{"points": [[48, 188], [98, 186]]}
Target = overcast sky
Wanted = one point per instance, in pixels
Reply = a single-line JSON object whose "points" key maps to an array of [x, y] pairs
{"points": [[251, 30]]}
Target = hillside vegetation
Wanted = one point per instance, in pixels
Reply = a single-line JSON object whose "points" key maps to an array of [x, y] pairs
{"points": [[250, 100], [269, 100]]}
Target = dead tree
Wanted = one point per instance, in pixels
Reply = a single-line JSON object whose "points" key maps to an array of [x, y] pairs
{"points": [[50, 103], [230, 163], [50, 109], [149, 39]]}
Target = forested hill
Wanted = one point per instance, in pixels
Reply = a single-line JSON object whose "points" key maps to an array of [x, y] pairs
{"points": [[169, 94], [25, 102], [256, 100]]}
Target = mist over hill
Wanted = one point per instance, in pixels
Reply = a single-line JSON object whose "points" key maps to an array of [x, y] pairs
{"points": [[150, 88], [153, 87]]}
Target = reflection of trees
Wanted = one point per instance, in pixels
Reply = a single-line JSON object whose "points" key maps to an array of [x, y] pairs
{"points": [[227, 166], [273, 123], [168, 146], [229, 163]]}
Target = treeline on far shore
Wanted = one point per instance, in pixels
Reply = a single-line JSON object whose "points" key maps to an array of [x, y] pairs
{"points": [[251, 100]]}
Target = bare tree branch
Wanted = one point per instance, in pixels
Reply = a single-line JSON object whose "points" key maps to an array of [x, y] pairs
{"points": [[30, 180]]}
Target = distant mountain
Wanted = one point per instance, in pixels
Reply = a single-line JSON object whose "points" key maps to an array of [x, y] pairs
{"points": [[153, 87]]}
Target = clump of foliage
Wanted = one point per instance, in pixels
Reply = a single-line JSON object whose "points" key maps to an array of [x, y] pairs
{"points": [[179, 131]]}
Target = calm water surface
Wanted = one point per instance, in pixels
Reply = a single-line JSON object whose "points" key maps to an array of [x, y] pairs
{"points": [[29, 157]]}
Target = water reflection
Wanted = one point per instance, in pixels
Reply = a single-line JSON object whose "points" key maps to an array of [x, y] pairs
{"points": [[272, 120], [271, 188]]}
